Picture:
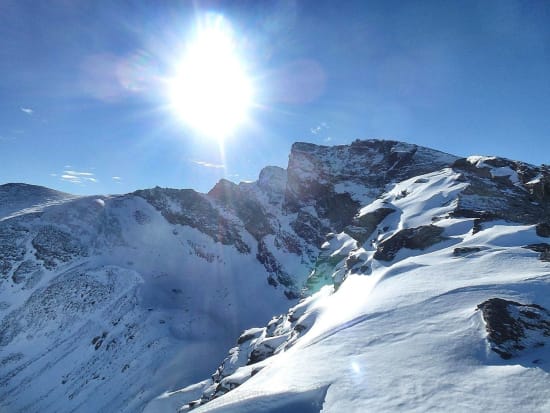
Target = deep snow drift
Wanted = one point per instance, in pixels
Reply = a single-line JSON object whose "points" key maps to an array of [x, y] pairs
{"points": [[424, 285]]}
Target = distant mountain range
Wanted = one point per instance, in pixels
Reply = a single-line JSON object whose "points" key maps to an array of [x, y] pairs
{"points": [[376, 276]]}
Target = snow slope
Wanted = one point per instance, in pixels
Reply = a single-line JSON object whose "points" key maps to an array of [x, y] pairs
{"points": [[24, 198], [416, 281], [105, 291], [402, 332]]}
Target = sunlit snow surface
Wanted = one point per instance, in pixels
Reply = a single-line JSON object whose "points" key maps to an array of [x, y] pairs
{"points": [[408, 336], [107, 306]]}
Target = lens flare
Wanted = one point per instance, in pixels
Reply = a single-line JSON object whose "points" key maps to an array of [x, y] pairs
{"points": [[211, 91]]}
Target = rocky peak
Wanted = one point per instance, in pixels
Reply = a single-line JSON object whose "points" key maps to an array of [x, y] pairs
{"points": [[374, 162], [273, 181], [223, 190], [335, 179]]}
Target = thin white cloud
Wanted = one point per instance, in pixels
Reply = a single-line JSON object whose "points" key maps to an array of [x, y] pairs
{"points": [[76, 173], [77, 177], [70, 178], [208, 164], [28, 111], [116, 178], [315, 130], [319, 128]]}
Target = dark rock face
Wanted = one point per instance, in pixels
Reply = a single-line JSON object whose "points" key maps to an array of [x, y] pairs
{"points": [[500, 188], [248, 209], [540, 188], [314, 170], [309, 228], [260, 353], [513, 327], [543, 230], [272, 266], [187, 207], [339, 209], [412, 238], [462, 251]]}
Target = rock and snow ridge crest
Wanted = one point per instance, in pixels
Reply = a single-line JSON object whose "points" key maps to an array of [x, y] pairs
{"points": [[367, 235]]}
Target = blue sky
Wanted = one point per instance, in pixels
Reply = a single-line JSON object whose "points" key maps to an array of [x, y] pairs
{"points": [[83, 106]]}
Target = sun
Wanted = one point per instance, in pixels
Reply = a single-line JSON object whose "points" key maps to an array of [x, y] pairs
{"points": [[211, 90]]}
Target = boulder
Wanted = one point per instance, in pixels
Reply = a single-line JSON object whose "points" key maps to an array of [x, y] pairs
{"points": [[513, 327], [461, 251]]}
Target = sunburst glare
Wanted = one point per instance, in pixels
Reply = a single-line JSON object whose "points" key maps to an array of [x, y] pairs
{"points": [[211, 91]]}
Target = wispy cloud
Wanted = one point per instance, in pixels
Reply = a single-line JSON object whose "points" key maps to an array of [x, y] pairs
{"points": [[208, 164], [77, 177], [28, 111], [79, 173], [117, 179], [319, 128]]}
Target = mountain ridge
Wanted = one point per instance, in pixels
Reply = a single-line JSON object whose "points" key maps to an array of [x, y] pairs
{"points": [[201, 268]]}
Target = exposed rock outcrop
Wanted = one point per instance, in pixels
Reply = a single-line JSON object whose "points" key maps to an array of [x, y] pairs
{"points": [[543, 230], [513, 327], [462, 251], [254, 346], [188, 207], [500, 188], [412, 238]]}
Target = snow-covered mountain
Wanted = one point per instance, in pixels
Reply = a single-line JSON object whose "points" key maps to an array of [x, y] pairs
{"points": [[376, 276], [23, 198]]}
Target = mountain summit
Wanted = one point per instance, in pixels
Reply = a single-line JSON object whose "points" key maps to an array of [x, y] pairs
{"points": [[377, 276]]}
